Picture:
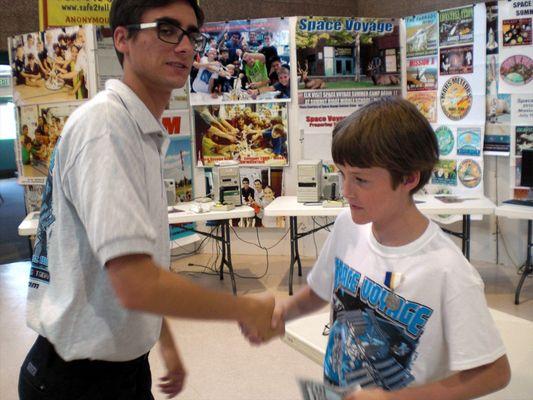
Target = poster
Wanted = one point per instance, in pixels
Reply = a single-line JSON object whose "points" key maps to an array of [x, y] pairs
{"points": [[33, 195], [516, 48], [178, 166], [50, 66], [457, 60], [422, 33], [338, 56], [422, 73], [498, 106], [253, 134], [460, 167], [39, 130], [426, 103], [456, 26], [107, 64], [58, 13], [178, 160], [456, 98], [244, 61]]}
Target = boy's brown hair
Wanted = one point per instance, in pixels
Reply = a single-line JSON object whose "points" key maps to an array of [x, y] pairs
{"points": [[389, 133]]}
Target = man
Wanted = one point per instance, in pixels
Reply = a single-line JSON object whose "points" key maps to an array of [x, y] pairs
{"points": [[98, 285]]}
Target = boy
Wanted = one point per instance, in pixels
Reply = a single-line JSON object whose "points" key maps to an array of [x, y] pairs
{"points": [[409, 317]]}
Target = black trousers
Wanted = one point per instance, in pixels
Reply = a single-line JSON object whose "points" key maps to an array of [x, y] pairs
{"points": [[44, 375]]}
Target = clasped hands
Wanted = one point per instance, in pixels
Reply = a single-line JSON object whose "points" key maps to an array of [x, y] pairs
{"points": [[267, 321]]}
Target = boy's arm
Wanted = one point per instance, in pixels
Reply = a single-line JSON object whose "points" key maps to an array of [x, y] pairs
{"points": [[468, 384], [143, 286], [172, 383], [304, 302]]}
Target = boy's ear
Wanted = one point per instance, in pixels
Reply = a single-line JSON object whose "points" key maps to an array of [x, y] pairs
{"points": [[411, 180]]}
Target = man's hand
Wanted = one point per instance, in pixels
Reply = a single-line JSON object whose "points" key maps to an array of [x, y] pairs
{"points": [[276, 327], [174, 381]]}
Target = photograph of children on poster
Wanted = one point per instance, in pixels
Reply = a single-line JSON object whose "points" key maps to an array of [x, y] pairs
{"points": [[259, 187], [339, 55], [516, 48], [422, 33], [50, 66], [244, 60], [39, 129], [253, 134]]}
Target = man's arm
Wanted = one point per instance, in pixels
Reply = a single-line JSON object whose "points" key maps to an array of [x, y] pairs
{"points": [[464, 385], [142, 286]]}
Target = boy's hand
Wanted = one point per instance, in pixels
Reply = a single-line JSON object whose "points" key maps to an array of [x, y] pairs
{"points": [[278, 317], [371, 394], [173, 382], [256, 326]]}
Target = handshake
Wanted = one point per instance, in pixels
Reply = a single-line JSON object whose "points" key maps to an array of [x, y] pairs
{"points": [[264, 321]]}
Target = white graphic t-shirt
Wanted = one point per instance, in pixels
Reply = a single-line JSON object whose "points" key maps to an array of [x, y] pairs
{"points": [[438, 323]]}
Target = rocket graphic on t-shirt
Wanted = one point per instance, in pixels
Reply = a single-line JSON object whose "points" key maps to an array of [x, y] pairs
{"points": [[371, 343], [39, 262]]}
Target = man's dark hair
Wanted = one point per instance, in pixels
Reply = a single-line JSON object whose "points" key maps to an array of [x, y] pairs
{"points": [[245, 180], [273, 59], [259, 180], [389, 133], [129, 12]]}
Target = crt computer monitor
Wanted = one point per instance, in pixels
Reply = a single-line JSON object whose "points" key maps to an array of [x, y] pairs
{"points": [[526, 175]]}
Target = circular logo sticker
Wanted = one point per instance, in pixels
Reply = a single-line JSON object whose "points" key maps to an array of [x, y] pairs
{"points": [[517, 70], [445, 138], [456, 98], [469, 173]]}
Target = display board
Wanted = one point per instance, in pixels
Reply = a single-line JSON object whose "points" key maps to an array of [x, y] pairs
{"points": [[445, 79]]}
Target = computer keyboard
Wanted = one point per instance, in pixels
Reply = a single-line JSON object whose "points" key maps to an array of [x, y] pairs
{"points": [[520, 202]]}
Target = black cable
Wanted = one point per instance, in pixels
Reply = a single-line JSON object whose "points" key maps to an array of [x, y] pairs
{"points": [[194, 251]]}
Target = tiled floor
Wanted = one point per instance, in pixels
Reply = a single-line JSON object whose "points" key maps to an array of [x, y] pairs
{"points": [[220, 363]]}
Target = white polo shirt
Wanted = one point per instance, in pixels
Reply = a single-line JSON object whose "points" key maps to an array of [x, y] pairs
{"points": [[104, 198]]}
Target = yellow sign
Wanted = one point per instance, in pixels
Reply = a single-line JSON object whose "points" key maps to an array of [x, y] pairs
{"points": [[58, 13]]}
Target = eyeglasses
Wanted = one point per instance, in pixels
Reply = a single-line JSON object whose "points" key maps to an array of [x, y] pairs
{"points": [[173, 34]]}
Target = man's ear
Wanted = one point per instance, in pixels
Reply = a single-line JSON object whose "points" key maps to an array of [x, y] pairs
{"points": [[120, 39]]}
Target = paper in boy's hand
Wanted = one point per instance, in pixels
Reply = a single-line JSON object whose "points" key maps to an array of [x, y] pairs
{"points": [[312, 390]]}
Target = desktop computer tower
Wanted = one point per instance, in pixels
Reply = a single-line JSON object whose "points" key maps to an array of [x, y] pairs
{"points": [[309, 181]]}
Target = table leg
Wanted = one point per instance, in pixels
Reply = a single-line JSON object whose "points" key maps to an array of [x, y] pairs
{"points": [[227, 243], [293, 230], [528, 268], [466, 236], [223, 252]]}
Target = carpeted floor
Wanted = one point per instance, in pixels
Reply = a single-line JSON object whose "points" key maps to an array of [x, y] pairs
{"points": [[12, 212]]}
